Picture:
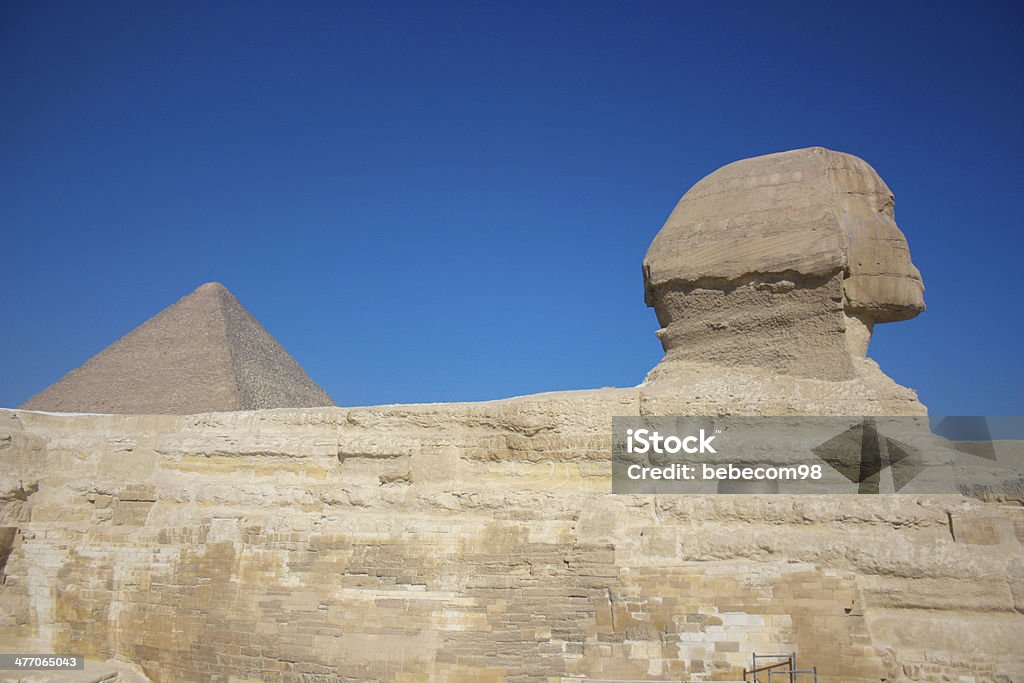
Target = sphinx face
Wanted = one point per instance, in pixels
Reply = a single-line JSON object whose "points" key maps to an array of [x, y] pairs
{"points": [[881, 284]]}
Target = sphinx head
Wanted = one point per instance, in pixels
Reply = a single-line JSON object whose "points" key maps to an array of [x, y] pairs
{"points": [[784, 261]]}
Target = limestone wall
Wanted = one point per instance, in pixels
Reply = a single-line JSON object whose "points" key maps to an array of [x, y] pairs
{"points": [[473, 542]]}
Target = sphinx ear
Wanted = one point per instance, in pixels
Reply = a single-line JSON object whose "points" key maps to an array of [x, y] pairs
{"points": [[648, 288]]}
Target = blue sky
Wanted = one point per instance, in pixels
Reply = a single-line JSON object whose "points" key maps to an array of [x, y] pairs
{"points": [[451, 201]]}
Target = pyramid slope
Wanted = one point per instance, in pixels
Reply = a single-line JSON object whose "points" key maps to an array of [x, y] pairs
{"points": [[205, 353], [266, 376]]}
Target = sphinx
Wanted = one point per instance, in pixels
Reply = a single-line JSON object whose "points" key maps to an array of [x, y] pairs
{"points": [[767, 280]]}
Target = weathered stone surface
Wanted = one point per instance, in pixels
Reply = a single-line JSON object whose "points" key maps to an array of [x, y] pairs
{"points": [[474, 542], [204, 353], [783, 262]]}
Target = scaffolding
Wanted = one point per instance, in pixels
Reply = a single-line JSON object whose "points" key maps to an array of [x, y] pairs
{"points": [[783, 666]]}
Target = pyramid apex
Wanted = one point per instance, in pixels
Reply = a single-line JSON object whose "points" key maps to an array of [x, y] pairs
{"points": [[211, 287]]}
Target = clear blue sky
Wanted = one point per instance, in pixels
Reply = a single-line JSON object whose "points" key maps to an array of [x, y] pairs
{"points": [[432, 201]]}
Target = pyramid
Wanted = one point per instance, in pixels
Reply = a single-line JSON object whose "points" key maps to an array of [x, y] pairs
{"points": [[205, 353]]}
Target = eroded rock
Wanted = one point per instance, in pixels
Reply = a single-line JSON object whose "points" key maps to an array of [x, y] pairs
{"points": [[783, 264]]}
